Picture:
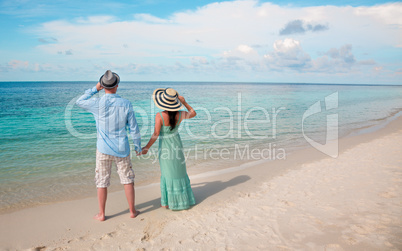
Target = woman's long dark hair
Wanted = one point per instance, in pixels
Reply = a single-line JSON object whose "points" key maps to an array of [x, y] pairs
{"points": [[172, 119]]}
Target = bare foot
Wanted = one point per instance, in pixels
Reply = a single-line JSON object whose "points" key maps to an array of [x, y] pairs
{"points": [[99, 217], [133, 215], [167, 207]]}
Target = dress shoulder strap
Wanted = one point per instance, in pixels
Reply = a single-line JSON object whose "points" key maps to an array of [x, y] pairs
{"points": [[179, 117], [163, 121]]}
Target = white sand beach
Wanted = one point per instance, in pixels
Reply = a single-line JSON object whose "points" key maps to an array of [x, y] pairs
{"points": [[307, 202]]}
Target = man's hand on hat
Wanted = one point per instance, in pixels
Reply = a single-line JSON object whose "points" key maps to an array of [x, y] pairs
{"points": [[98, 86]]}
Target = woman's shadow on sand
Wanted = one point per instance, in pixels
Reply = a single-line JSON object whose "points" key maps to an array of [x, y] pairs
{"points": [[201, 192], [206, 189]]}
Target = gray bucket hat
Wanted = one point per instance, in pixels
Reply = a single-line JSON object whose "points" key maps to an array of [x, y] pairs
{"points": [[109, 80]]}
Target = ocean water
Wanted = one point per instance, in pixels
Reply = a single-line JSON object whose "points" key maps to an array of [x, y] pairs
{"points": [[47, 144]]}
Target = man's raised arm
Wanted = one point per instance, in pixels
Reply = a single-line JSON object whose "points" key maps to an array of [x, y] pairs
{"points": [[85, 100]]}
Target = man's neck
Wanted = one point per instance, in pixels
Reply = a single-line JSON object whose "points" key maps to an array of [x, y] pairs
{"points": [[109, 92]]}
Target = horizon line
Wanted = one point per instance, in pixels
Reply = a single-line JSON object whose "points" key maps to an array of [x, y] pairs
{"points": [[210, 82]]}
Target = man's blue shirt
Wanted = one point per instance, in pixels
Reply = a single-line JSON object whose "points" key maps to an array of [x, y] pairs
{"points": [[113, 115]]}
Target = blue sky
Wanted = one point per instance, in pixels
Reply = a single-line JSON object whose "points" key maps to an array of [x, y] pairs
{"points": [[248, 41]]}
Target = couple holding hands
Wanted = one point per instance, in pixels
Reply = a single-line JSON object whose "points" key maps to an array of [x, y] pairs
{"points": [[114, 115]]}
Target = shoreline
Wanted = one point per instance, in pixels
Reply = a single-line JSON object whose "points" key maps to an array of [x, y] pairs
{"points": [[70, 223]]}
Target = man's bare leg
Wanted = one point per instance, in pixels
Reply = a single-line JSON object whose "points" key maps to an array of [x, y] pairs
{"points": [[102, 196], [130, 195]]}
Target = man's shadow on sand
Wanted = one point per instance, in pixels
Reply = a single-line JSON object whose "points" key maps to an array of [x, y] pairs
{"points": [[201, 192]]}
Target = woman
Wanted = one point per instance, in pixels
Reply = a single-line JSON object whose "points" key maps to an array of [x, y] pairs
{"points": [[176, 192]]}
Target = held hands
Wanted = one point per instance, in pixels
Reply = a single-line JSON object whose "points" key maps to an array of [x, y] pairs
{"points": [[143, 152], [99, 87]]}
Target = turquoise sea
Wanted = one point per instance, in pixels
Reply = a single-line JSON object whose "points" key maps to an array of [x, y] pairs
{"points": [[47, 144]]}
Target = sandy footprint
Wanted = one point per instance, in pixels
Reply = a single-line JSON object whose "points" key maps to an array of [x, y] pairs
{"points": [[288, 203], [41, 248], [108, 235], [361, 229], [388, 194], [333, 247], [152, 230]]}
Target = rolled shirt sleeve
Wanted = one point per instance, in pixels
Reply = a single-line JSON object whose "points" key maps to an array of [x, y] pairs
{"points": [[86, 102]]}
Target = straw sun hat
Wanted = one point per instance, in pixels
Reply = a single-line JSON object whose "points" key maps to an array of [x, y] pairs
{"points": [[167, 99]]}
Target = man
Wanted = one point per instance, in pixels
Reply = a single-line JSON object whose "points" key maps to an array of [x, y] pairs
{"points": [[113, 115]]}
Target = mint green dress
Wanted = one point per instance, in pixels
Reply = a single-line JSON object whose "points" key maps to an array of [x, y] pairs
{"points": [[175, 185]]}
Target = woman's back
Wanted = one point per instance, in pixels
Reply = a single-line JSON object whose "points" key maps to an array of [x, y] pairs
{"points": [[166, 127]]}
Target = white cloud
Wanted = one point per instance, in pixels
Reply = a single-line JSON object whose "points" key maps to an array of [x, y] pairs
{"points": [[245, 49], [335, 60], [219, 26], [378, 69], [18, 65], [287, 45], [301, 27], [226, 36], [367, 62], [196, 61], [390, 13], [287, 53], [147, 18], [24, 66], [344, 54], [95, 20], [242, 51]]}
